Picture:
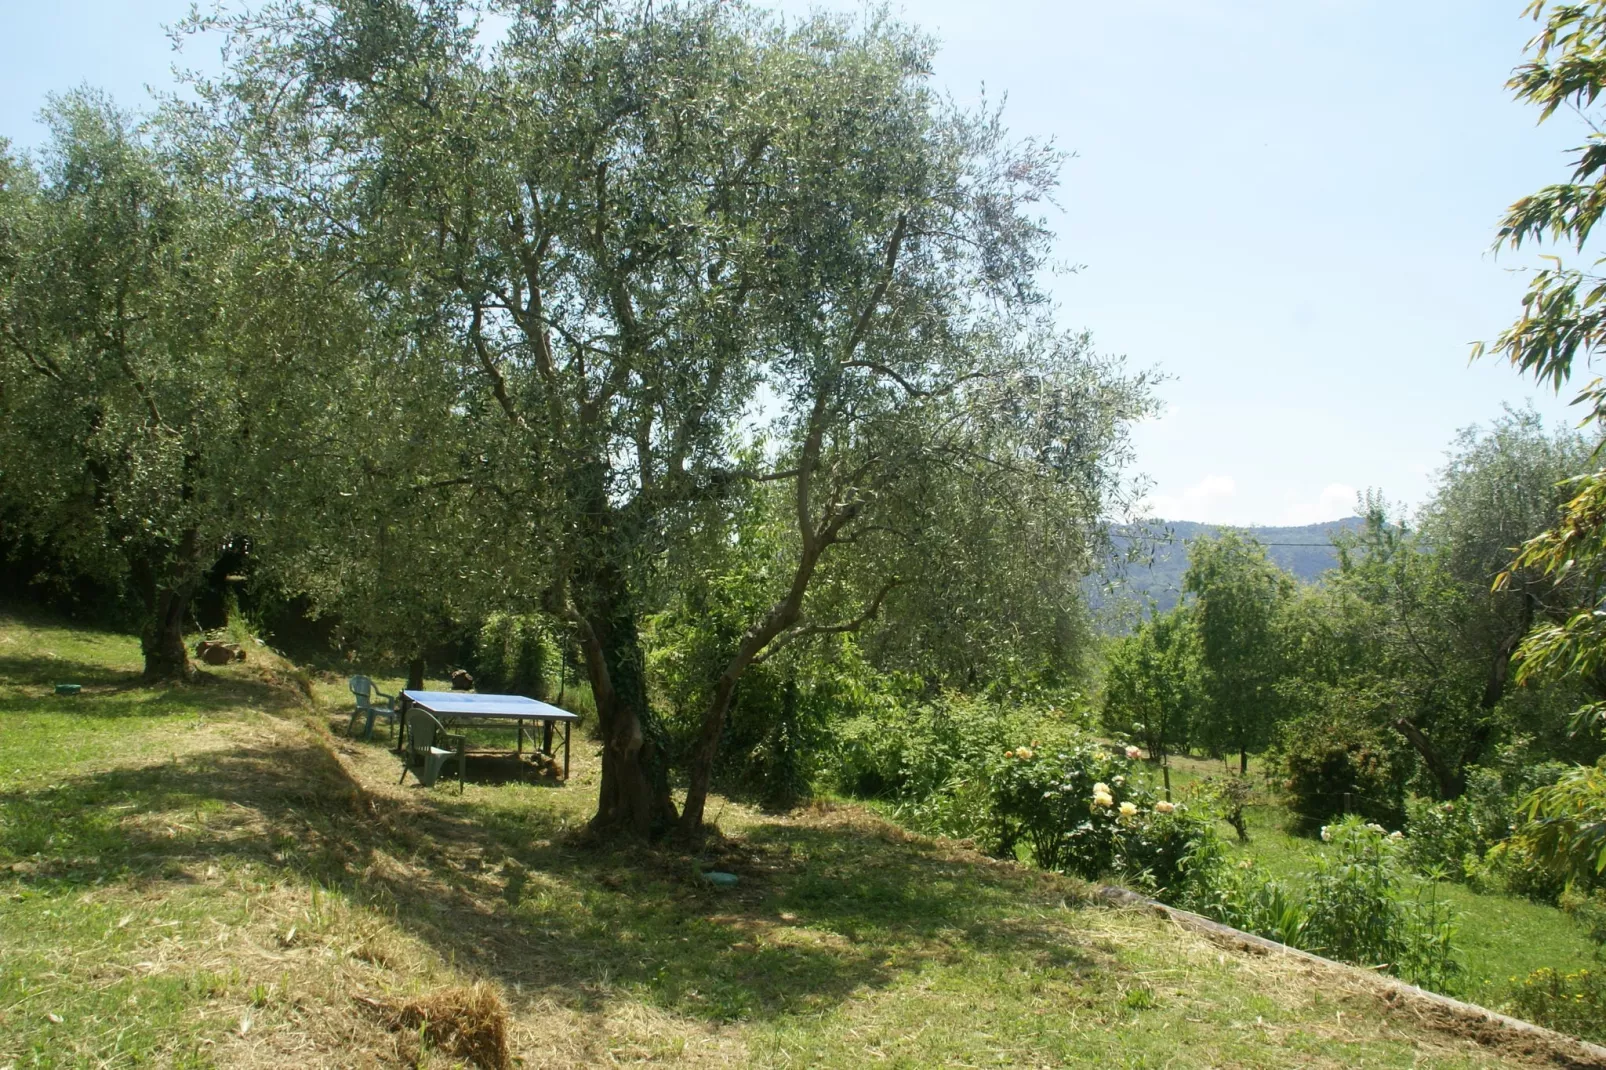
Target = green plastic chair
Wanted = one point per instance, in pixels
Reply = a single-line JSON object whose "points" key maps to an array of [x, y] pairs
{"points": [[423, 746], [372, 703]]}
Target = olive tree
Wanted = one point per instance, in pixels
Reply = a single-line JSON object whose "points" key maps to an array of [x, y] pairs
{"points": [[649, 232], [123, 439]]}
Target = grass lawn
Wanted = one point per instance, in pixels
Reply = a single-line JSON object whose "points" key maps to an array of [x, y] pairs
{"points": [[1501, 938], [208, 876]]}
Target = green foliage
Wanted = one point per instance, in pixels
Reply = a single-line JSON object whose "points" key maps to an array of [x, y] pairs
{"points": [[1238, 595], [1227, 796], [1566, 825], [1560, 326], [1360, 911], [1152, 689], [515, 654], [1452, 838], [1359, 906], [1568, 1002], [1335, 759], [1589, 910], [922, 755]]}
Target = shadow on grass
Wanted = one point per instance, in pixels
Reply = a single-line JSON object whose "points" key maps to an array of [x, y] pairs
{"points": [[115, 695], [41, 670], [819, 914]]}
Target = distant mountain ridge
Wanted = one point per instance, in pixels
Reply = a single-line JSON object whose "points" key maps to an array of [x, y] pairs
{"points": [[1305, 551]]}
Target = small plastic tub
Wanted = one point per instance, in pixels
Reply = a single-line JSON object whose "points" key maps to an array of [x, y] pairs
{"points": [[69, 689]]}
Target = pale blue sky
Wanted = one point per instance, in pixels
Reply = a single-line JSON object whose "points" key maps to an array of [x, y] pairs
{"points": [[1284, 204]]}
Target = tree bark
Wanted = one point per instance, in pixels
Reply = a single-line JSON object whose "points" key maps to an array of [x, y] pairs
{"points": [[633, 798], [167, 587], [415, 674], [1448, 779], [634, 794], [162, 639]]}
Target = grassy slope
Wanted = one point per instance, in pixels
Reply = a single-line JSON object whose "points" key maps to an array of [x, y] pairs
{"points": [[205, 876], [1501, 938]]}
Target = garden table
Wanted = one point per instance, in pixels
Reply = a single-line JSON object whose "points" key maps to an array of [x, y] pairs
{"points": [[460, 706]]}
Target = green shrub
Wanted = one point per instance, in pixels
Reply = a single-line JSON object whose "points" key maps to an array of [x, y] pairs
{"points": [[1358, 907], [1589, 910], [1569, 1002], [1081, 808], [910, 753], [1360, 910], [514, 653], [1226, 796], [1452, 838], [1334, 761], [1512, 865]]}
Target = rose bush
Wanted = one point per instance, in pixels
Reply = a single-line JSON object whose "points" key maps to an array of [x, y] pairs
{"points": [[1081, 808]]}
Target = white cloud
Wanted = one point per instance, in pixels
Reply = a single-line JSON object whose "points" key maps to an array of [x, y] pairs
{"points": [[1201, 502], [1336, 500]]}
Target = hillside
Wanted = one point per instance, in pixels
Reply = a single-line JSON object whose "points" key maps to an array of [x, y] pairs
{"points": [[1305, 551], [211, 875]]}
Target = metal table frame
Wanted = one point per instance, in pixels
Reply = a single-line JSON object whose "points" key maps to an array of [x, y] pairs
{"points": [[458, 706]]}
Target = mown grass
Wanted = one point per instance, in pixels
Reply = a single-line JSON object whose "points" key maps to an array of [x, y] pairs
{"points": [[206, 876]]}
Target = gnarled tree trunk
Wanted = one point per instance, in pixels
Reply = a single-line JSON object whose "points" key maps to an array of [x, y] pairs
{"points": [[166, 586], [634, 794]]}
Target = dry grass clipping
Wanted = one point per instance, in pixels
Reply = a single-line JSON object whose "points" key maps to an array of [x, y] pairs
{"points": [[466, 1021]]}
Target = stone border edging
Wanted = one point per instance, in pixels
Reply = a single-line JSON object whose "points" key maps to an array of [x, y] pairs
{"points": [[1570, 1051]]}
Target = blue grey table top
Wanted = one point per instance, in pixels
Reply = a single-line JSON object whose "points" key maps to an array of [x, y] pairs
{"points": [[499, 707]]}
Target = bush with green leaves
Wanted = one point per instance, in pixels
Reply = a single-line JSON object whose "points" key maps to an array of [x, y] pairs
{"points": [[1359, 906], [1568, 1002], [1082, 808], [1363, 909], [1452, 838], [514, 653], [1589, 910], [1335, 760], [924, 755]]}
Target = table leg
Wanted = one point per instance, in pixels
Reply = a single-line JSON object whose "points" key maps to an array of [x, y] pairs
{"points": [[519, 753], [566, 726]]}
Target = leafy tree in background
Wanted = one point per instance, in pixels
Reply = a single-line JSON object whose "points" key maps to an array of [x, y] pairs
{"points": [[1152, 685], [1238, 596]]}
